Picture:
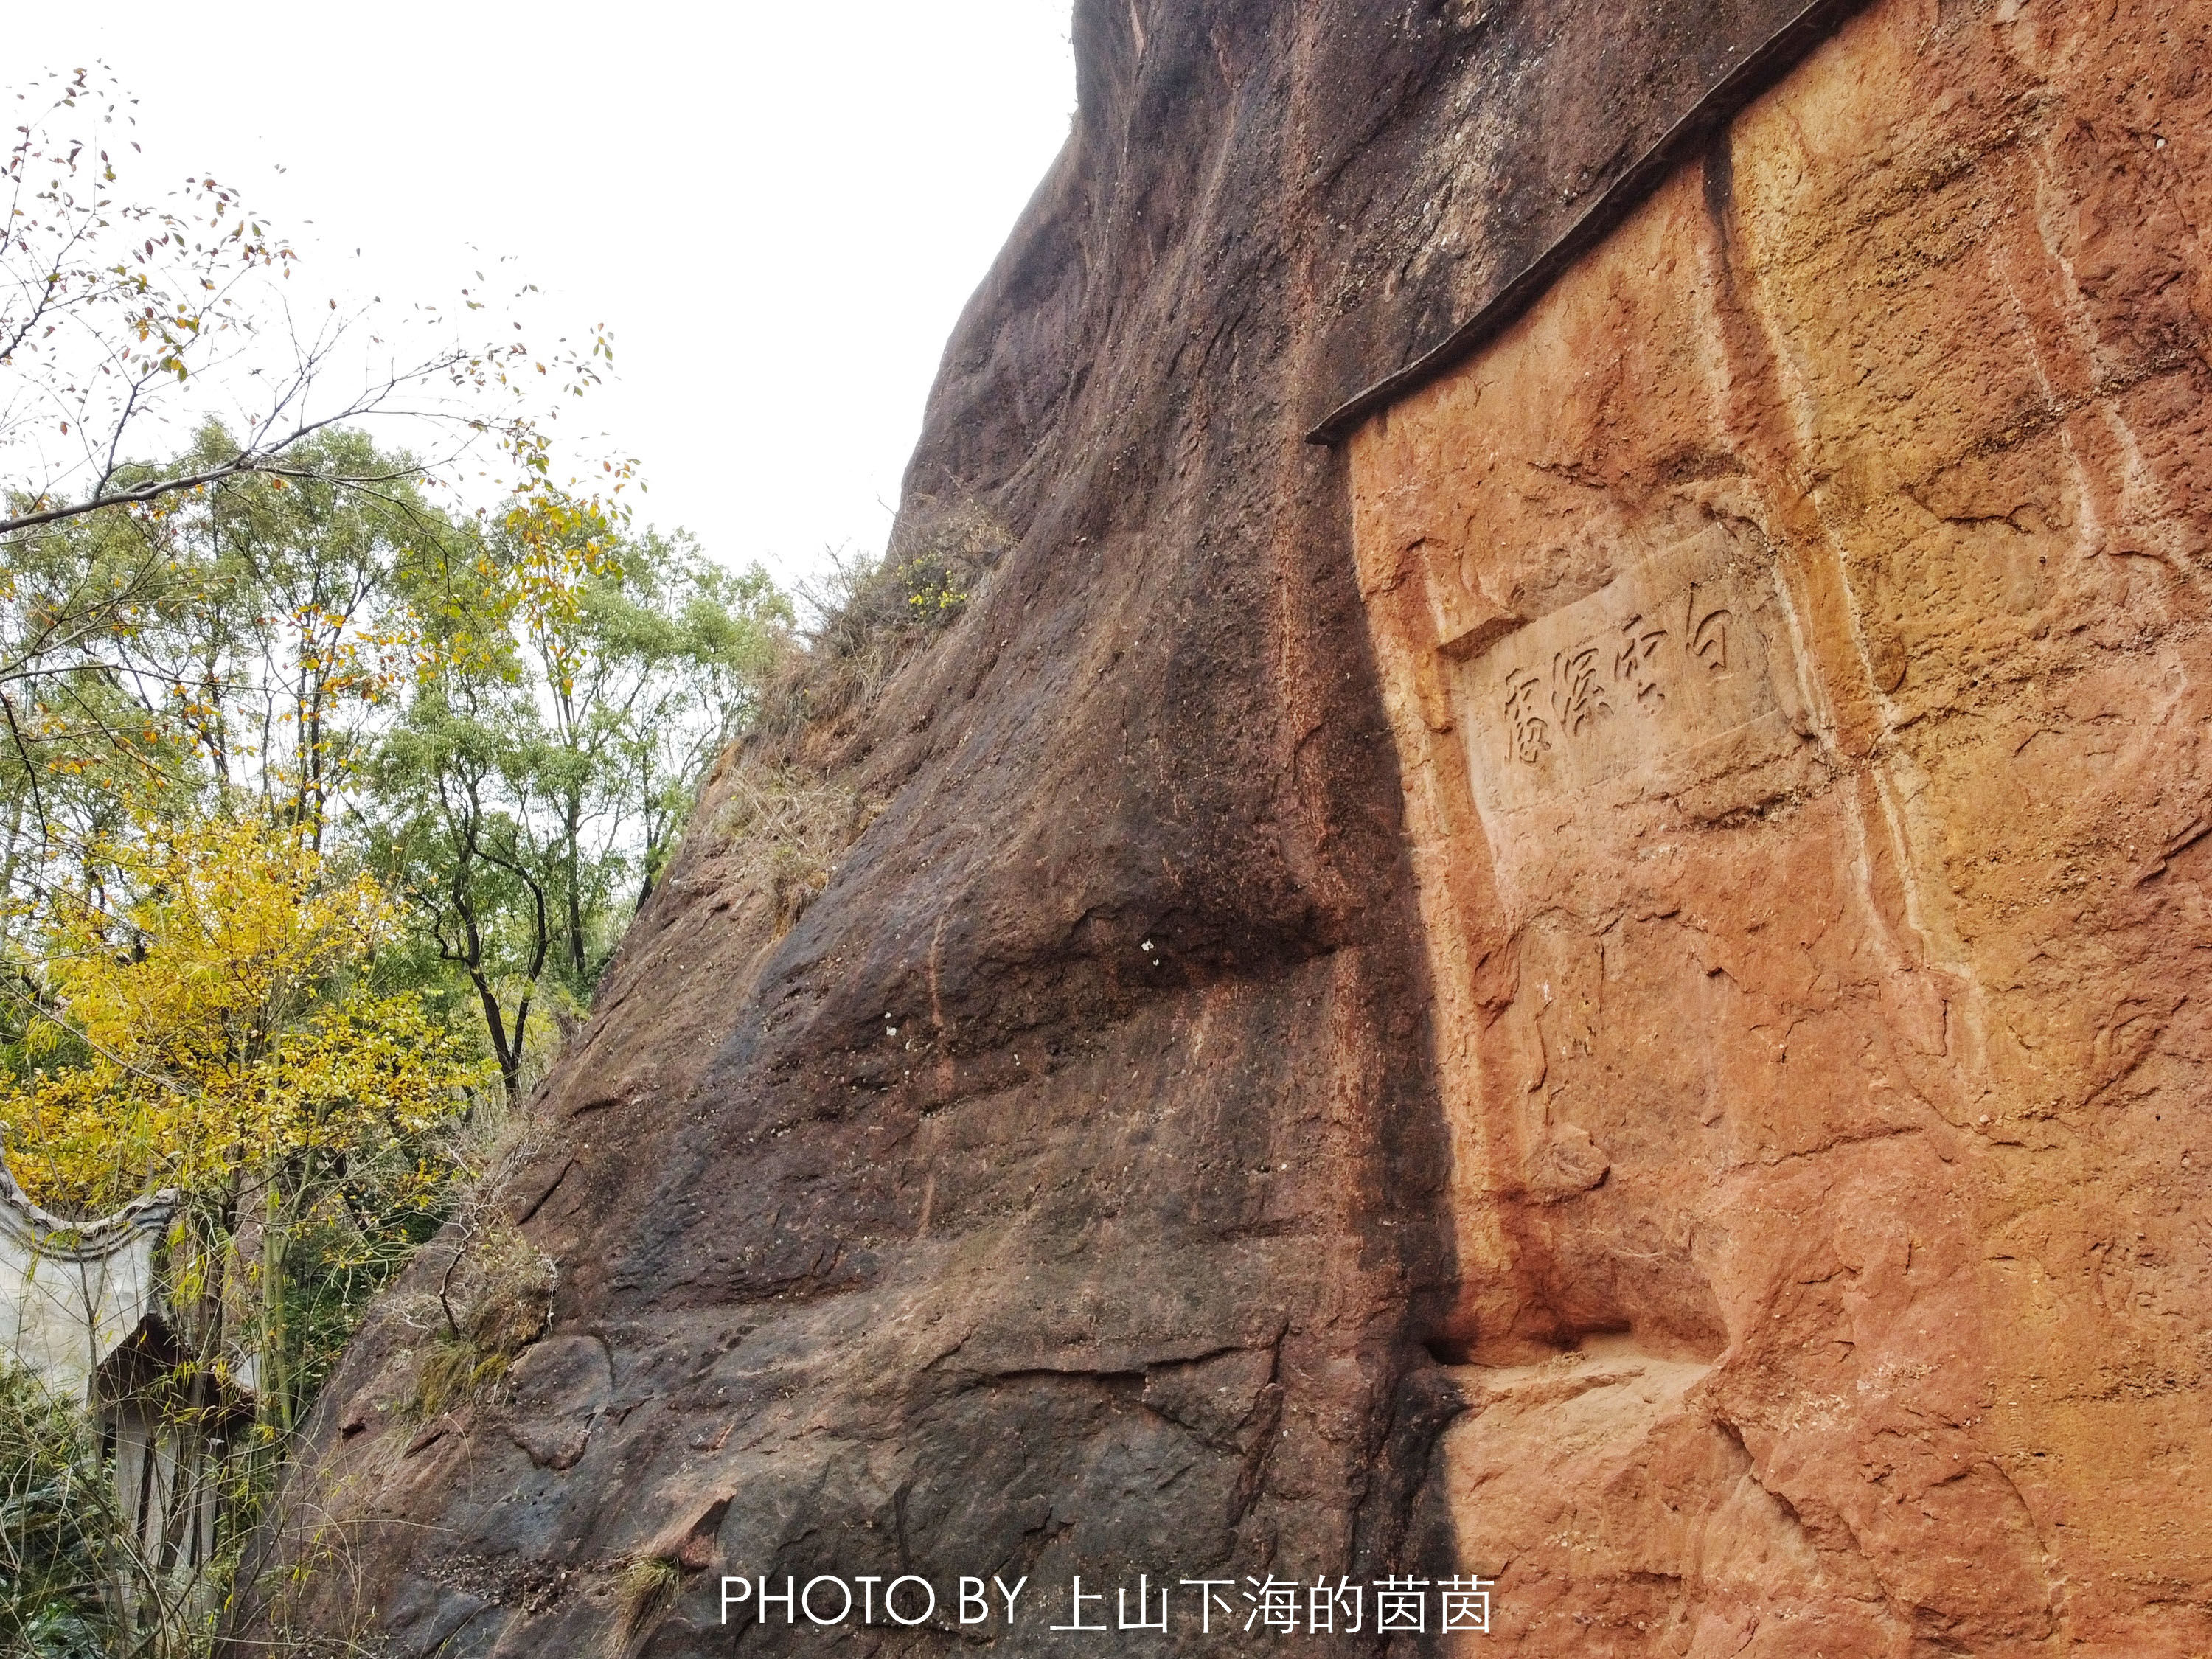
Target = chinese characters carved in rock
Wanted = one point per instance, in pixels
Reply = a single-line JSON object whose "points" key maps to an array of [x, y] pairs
{"points": [[1662, 661]]}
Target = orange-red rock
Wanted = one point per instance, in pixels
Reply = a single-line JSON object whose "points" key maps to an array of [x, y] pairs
{"points": [[1793, 632]]}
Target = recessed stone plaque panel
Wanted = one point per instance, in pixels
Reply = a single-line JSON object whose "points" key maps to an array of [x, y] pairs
{"points": [[1679, 668]]}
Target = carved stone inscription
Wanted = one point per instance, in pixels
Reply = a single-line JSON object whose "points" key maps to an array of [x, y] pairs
{"points": [[1657, 665]]}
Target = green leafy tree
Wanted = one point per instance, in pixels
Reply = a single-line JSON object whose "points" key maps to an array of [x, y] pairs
{"points": [[459, 785], [576, 684], [649, 674]]}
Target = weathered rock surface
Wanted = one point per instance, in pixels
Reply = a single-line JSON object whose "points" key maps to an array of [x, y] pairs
{"points": [[1599, 985]]}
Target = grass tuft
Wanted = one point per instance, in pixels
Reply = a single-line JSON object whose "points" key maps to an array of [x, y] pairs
{"points": [[497, 1298]]}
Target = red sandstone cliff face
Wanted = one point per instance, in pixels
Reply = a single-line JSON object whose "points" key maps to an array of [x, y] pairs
{"points": [[1596, 985]]}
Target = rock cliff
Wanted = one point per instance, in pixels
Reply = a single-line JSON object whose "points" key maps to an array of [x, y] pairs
{"points": [[1594, 981]]}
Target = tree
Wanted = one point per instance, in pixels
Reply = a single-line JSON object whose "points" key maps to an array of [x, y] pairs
{"points": [[195, 1008], [201, 1018], [278, 640], [575, 683], [511, 710], [127, 321], [119, 317], [460, 786], [649, 671]]}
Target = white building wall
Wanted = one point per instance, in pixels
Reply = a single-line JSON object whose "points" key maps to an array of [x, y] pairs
{"points": [[71, 1293]]}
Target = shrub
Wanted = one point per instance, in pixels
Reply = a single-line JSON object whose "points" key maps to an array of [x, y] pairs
{"points": [[61, 1544], [870, 616]]}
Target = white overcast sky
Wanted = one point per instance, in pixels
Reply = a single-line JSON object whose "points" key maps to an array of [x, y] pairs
{"points": [[778, 208]]}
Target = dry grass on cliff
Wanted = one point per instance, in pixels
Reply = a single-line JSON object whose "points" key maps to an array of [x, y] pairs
{"points": [[870, 618], [496, 1299], [785, 808], [785, 826], [648, 1587]]}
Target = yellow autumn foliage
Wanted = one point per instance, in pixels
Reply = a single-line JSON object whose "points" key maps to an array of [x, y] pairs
{"points": [[202, 1019]]}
